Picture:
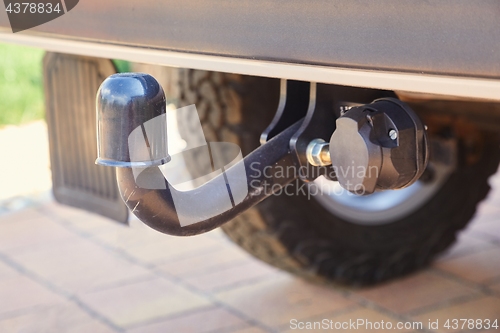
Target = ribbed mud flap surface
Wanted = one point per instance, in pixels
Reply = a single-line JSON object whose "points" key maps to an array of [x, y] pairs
{"points": [[71, 83]]}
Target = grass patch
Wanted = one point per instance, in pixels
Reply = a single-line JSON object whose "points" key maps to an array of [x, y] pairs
{"points": [[21, 84], [122, 66], [21, 91]]}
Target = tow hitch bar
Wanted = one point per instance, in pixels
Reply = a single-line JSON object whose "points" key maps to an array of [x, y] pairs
{"points": [[370, 147]]}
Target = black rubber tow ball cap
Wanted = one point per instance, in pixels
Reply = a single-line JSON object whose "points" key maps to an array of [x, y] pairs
{"points": [[131, 114]]}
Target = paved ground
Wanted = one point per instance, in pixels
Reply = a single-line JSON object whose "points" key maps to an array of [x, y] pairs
{"points": [[64, 270]]}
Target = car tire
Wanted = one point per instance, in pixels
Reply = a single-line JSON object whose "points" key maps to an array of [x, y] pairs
{"points": [[296, 233]]}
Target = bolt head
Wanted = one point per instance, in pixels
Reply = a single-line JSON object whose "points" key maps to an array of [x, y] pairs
{"points": [[369, 119], [393, 134], [318, 153]]}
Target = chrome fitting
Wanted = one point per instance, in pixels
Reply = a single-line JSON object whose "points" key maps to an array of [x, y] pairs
{"points": [[318, 153]]}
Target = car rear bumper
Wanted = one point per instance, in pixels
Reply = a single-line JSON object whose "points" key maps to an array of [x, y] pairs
{"points": [[448, 47]]}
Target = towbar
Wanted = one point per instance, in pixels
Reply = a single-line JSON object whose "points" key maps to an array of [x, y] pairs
{"points": [[385, 136]]}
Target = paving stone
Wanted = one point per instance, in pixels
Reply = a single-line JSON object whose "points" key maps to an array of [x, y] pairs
{"points": [[25, 214], [478, 267], [18, 293], [18, 234], [92, 224], [415, 292], [275, 301], [79, 220], [79, 266], [63, 212], [253, 329], [488, 207], [91, 326], [14, 205], [212, 319], [482, 308], [144, 301], [136, 235], [171, 247], [225, 256], [231, 277], [7, 272], [62, 317], [151, 246], [489, 229], [465, 245]]}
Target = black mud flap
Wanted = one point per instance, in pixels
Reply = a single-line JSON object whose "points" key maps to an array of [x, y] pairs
{"points": [[71, 83]]}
